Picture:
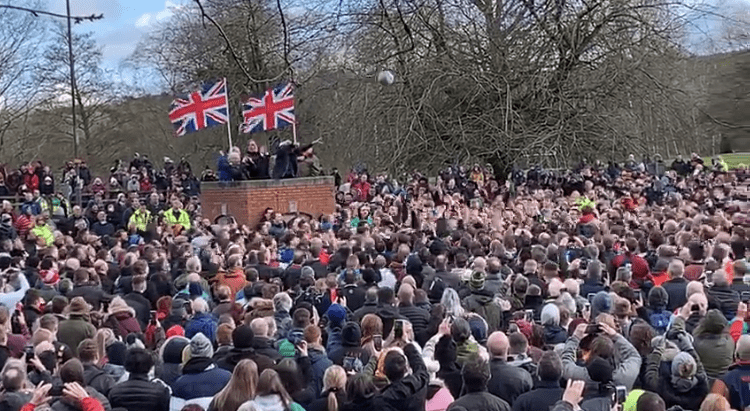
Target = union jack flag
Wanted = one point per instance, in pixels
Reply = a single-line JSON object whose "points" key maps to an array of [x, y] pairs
{"points": [[273, 110], [201, 109]]}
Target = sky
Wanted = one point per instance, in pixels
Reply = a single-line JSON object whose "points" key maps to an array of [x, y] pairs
{"points": [[125, 21]]}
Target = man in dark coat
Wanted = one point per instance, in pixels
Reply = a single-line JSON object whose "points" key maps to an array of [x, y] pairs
{"points": [[418, 317], [676, 287], [201, 378], [548, 390], [406, 392], [139, 393], [722, 296], [94, 376], [507, 382], [476, 374], [242, 337]]}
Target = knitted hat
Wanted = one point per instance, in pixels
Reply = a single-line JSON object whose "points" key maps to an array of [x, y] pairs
{"points": [[242, 337], [175, 330], [602, 303], [286, 349], [200, 346], [195, 289], [336, 314], [116, 353], [600, 370], [351, 334], [413, 265], [550, 315], [477, 280], [78, 306], [286, 255], [478, 328]]}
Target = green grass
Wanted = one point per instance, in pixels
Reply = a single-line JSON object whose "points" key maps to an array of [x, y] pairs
{"points": [[733, 160]]}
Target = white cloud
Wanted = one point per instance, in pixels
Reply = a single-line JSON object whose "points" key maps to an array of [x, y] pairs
{"points": [[148, 19], [143, 21]]}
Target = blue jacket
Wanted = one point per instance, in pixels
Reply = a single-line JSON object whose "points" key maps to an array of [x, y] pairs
{"points": [[200, 378], [225, 169], [335, 342], [202, 323], [737, 380], [319, 362]]}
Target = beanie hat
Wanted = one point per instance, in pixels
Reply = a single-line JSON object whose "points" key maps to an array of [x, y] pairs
{"points": [[413, 265], [550, 315], [631, 401], [286, 255], [351, 334], [602, 303], [600, 370], [242, 337], [336, 314], [200, 346], [172, 350], [286, 349], [478, 328], [476, 282], [175, 331], [116, 353]]}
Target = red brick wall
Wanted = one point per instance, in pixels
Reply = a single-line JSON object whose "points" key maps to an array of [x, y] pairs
{"points": [[246, 200]]}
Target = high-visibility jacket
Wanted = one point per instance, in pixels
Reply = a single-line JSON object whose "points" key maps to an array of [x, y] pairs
{"points": [[171, 219], [45, 232], [140, 219]]}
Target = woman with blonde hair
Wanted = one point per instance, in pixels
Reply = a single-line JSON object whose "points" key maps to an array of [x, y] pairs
{"points": [[452, 304], [334, 390], [104, 337], [270, 395], [240, 389]]}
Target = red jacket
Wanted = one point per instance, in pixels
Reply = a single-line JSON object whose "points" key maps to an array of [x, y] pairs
{"points": [[87, 404], [638, 265], [31, 181]]}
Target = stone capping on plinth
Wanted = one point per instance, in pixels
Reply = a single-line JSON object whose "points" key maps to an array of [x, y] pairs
{"points": [[287, 182]]}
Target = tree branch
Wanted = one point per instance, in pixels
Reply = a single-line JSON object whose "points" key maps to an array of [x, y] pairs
{"points": [[36, 13]]}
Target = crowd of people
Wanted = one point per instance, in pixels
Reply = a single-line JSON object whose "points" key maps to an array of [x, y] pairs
{"points": [[600, 288]]}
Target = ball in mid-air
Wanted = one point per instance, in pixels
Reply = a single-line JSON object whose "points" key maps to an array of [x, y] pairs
{"points": [[386, 77]]}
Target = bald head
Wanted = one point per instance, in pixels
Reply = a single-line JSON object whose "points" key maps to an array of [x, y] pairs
{"points": [[406, 294], [693, 287], [572, 286], [480, 264], [530, 266], [498, 344], [742, 351], [259, 326], [555, 285]]}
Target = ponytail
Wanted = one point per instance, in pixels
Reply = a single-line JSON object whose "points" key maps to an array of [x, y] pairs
{"points": [[333, 402]]}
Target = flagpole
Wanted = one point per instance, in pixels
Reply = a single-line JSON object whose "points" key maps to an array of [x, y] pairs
{"points": [[294, 131], [229, 117]]}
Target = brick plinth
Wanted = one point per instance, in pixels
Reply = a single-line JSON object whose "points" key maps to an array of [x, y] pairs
{"points": [[246, 200]]}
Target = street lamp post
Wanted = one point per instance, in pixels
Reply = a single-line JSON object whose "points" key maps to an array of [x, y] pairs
{"points": [[73, 103]]}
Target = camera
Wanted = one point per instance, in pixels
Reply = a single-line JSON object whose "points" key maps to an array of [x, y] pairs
{"points": [[621, 393], [398, 329]]}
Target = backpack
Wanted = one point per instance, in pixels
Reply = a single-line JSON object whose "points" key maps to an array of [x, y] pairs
{"points": [[659, 320], [492, 313]]}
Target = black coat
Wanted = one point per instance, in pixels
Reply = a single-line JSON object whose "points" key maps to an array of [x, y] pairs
{"points": [[418, 317], [97, 379], [355, 296], [507, 381], [409, 393], [676, 289], [480, 401], [542, 398], [138, 394]]}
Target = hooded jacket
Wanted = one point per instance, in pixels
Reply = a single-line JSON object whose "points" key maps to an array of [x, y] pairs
{"points": [[200, 378], [713, 344], [625, 373], [657, 381], [483, 303], [319, 363]]}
